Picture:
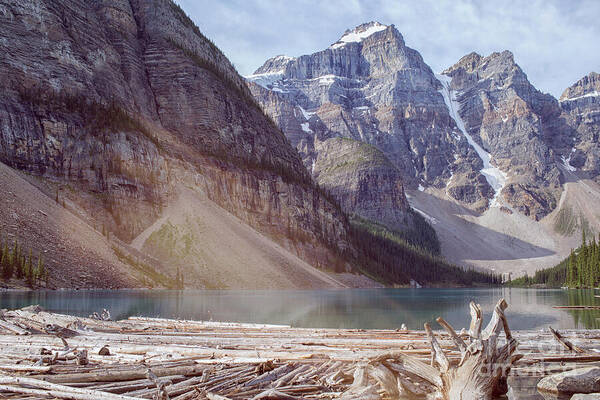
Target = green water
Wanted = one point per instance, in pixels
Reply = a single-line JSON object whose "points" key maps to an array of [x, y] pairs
{"points": [[352, 308]]}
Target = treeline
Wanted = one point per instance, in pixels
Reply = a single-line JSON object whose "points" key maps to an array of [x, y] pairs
{"points": [[580, 270], [389, 258], [423, 235], [18, 264]]}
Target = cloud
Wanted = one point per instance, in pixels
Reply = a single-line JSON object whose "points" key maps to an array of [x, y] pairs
{"points": [[555, 42]]}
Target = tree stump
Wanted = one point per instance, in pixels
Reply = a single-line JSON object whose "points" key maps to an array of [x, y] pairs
{"points": [[480, 374]]}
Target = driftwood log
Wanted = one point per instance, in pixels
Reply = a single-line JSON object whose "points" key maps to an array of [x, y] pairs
{"points": [[182, 360], [480, 374], [567, 344]]}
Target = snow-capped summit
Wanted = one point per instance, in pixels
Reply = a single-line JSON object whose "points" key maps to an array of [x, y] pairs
{"points": [[271, 71], [275, 64], [359, 33]]}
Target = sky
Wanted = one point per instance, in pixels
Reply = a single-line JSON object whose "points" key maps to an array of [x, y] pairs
{"points": [[556, 42]]}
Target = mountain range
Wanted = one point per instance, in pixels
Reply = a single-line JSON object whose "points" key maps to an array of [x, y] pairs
{"points": [[485, 156], [132, 153]]}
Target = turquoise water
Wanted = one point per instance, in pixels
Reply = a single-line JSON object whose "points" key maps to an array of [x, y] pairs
{"points": [[352, 308]]}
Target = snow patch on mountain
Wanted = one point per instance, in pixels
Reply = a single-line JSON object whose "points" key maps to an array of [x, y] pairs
{"points": [[265, 80], [567, 161], [495, 177], [305, 127], [358, 34], [306, 114], [591, 94]]}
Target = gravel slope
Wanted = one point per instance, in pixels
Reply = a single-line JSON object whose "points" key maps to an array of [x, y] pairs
{"points": [[507, 241], [76, 255], [224, 252]]}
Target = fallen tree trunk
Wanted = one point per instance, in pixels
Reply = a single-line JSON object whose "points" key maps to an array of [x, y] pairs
{"points": [[568, 345], [480, 374], [15, 384]]}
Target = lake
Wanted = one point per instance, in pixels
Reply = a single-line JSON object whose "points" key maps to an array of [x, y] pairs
{"points": [[348, 308]]}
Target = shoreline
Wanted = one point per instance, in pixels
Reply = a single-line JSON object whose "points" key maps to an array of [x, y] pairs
{"points": [[214, 357]]}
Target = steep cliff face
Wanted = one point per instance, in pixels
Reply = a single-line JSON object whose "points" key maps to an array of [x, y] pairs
{"points": [[364, 181], [125, 100], [581, 106], [370, 87], [516, 124]]}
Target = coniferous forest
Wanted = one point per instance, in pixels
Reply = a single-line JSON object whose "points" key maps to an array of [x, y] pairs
{"points": [[580, 270], [388, 257], [17, 263]]}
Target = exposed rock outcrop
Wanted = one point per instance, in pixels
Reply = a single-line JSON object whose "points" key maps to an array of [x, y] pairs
{"points": [[581, 380], [518, 125], [581, 107], [364, 181]]}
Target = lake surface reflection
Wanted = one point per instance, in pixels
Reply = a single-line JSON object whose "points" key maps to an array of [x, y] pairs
{"points": [[352, 308]]}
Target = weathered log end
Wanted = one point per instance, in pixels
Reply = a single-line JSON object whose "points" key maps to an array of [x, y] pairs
{"points": [[481, 373]]}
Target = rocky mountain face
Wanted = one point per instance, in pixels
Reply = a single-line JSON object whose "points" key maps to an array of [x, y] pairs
{"points": [[581, 106], [517, 124], [480, 131], [370, 87], [115, 103], [362, 178]]}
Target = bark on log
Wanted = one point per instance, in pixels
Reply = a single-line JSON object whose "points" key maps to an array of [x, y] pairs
{"points": [[568, 345], [11, 383]]}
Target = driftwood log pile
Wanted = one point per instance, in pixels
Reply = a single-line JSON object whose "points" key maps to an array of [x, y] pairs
{"points": [[47, 355]]}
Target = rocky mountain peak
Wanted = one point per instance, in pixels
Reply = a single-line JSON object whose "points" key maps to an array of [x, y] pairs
{"points": [[468, 63], [501, 108], [588, 86], [581, 106], [498, 66], [356, 55], [358, 89], [275, 64]]}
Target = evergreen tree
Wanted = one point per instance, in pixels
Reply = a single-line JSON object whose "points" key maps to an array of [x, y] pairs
{"points": [[7, 264], [580, 269], [581, 259], [29, 274], [19, 267], [41, 269], [3, 263], [571, 270]]}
